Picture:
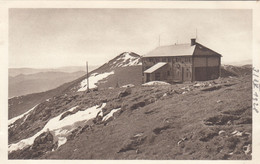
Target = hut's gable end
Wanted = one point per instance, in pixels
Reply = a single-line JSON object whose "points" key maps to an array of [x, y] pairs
{"points": [[206, 63], [201, 50]]}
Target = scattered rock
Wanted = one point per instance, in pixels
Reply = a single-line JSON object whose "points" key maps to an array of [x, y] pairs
{"points": [[149, 112], [137, 105], [221, 132], [219, 101], [237, 133], [139, 135], [197, 85], [247, 134], [133, 144], [220, 120], [228, 85], [212, 88], [159, 129], [247, 149], [182, 140], [42, 144], [124, 93]]}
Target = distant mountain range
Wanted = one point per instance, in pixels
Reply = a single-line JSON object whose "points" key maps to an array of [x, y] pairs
{"points": [[24, 81], [239, 63], [25, 71], [39, 82]]}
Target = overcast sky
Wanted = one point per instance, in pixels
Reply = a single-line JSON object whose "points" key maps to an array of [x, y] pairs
{"points": [[47, 38]]}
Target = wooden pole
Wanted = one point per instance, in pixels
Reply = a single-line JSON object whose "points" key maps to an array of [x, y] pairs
{"points": [[87, 76]]}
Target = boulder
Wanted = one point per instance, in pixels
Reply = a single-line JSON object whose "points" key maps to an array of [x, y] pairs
{"points": [[124, 93]]}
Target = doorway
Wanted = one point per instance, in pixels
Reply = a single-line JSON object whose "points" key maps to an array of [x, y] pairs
{"points": [[147, 77]]}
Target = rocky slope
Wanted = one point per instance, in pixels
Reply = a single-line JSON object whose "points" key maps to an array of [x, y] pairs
{"points": [[199, 120]]}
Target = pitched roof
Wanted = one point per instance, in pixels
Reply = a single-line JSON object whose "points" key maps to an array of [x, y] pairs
{"points": [[172, 50], [155, 67]]}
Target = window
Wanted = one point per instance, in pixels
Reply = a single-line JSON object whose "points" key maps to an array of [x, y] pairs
{"points": [[164, 59], [168, 73]]}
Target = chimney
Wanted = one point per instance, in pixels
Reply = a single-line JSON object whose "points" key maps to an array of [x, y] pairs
{"points": [[192, 41]]}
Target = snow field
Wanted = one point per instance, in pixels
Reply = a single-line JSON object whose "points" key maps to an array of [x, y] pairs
{"points": [[155, 83], [60, 129], [93, 79], [12, 120], [126, 56]]}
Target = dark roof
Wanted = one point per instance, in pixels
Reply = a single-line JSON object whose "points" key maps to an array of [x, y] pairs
{"points": [[172, 50], [176, 50]]}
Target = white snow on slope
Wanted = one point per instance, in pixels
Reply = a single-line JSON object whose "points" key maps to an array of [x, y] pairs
{"points": [[93, 79], [110, 114], [155, 83], [128, 85], [12, 120], [127, 57], [60, 129]]}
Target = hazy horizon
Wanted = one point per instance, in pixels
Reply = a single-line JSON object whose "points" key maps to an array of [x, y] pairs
{"points": [[52, 38], [246, 62]]}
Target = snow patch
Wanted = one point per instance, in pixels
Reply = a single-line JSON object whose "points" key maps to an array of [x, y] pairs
{"points": [[128, 85], [155, 83], [61, 128], [127, 60], [12, 120], [110, 114], [93, 79]]}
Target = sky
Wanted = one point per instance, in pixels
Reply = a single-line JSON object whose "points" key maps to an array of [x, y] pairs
{"points": [[50, 38]]}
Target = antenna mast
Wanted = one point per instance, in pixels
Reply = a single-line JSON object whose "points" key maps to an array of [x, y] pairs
{"points": [[87, 76]]}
